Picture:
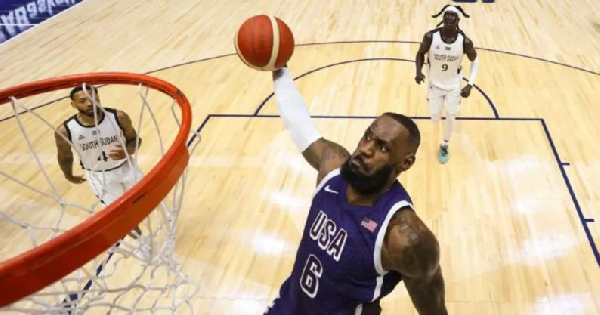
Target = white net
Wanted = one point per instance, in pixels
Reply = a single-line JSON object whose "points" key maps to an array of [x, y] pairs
{"points": [[139, 274]]}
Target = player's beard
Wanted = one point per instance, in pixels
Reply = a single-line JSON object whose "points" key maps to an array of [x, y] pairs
{"points": [[91, 114], [366, 184]]}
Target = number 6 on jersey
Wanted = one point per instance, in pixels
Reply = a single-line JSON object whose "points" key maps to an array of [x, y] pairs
{"points": [[309, 281]]}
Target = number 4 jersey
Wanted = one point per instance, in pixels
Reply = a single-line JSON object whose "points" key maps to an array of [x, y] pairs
{"points": [[445, 61], [338, 268], [94, 143]]}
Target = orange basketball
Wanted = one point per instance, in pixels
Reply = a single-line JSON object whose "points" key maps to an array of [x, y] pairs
{"points": [[264, 42]]}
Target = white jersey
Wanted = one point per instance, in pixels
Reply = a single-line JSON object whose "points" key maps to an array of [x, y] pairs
{"points": [[94, 143], [445, 61]]}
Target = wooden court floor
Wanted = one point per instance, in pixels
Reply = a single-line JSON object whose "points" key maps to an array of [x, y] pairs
{"points": [[516, 209]]}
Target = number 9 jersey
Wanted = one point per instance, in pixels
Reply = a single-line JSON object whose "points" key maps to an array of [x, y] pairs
{"points": [[445, 61], [338, 268]]}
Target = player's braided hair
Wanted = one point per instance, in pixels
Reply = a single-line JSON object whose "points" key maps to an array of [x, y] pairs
{"points": [[444, 8]]}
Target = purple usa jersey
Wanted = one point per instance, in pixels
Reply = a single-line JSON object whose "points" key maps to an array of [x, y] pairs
{"points": [[338, 262]]}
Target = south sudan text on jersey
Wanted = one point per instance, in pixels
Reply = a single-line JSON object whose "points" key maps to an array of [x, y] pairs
{"points": [[99, 142], [440, 57]]}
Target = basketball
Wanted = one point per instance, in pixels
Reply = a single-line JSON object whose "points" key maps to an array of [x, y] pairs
{"points": [[264, 43]]}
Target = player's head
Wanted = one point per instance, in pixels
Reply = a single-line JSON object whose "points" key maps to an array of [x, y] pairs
{"points": [[450, 17], [450, 20], [83, 103], [386, 149]]}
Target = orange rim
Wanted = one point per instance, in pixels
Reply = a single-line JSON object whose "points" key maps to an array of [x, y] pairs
{"points": [[39, 267]]}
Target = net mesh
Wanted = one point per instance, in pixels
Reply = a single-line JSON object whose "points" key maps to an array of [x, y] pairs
{"points": [[140, 273]]}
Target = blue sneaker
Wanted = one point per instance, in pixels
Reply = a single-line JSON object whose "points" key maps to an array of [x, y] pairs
{"points": [[443, 154]]}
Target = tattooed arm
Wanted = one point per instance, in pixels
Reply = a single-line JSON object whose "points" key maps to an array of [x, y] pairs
{"points": [[411, 249], [65, 155], [129, 132], [325, 156], [130, 138]]}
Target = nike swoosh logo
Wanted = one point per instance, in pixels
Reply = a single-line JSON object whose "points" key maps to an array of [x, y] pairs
{"points": [[327, 189]]}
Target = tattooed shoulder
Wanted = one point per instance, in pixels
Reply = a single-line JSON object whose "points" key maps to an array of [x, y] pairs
{"points": [[412, 248]]}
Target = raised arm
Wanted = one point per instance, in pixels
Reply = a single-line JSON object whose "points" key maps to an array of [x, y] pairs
{"points": [[322, 154], [411, 249], [65, 155]]}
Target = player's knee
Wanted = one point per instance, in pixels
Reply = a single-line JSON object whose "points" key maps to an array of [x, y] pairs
{"points": [[451, 113], [453, 108], [435, 111]]}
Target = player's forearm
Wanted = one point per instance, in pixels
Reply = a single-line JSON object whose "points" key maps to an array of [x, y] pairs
{"points": [[473, 71], [66, 165], [429, 298], [132, 147], [420, 60]]}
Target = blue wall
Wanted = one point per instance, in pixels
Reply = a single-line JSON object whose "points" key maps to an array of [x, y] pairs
{"points": [[17, 16]]}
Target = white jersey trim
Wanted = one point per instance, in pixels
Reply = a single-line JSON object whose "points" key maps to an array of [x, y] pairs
{"points": [[379, 244], [325, 179], [358, 310]]}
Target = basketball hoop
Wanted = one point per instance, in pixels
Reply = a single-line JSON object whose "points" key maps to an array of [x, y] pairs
{"points": [[25, 276]]}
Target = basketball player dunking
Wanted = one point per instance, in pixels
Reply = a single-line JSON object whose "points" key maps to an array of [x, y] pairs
{"points": [[106, 167], [362, 235], [445, 47]]}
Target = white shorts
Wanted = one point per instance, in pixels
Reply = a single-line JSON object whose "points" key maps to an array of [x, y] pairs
{"points": [[438, 98], [110, 185]]}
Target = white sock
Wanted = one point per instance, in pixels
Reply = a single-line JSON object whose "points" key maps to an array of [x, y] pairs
{"points": [[450, 120]]}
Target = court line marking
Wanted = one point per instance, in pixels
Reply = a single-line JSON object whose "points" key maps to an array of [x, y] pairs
{"points": [[263, 103], [340, 42], [584, 221]]}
